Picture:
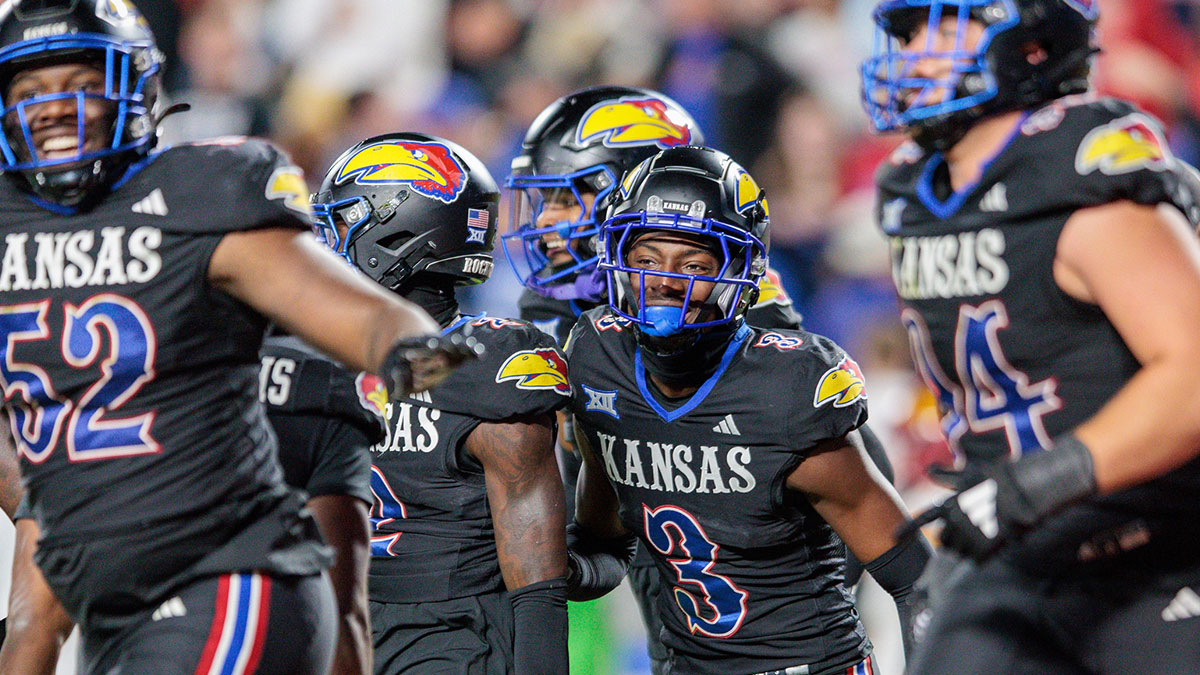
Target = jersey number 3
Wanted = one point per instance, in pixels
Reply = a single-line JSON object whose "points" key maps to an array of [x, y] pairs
{"points": [[694, 556], [41, 415]]}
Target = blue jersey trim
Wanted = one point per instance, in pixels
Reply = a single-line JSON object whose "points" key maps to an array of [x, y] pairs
{"points": [[460, 321], [955, 201], [697, 398]]}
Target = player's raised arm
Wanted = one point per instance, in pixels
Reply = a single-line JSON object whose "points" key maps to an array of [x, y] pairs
{"points": [[1120, 256], [289, 277]]}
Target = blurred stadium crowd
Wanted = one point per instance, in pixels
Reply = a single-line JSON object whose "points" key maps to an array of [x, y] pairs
{"points": [[772, 82]]}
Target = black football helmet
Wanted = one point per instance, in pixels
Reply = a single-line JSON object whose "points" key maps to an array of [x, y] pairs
{"points": [[694, 191], [582, 144], [996, 76], [405, 206], [114, 37]]}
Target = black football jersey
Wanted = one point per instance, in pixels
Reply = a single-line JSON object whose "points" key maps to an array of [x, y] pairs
{"points": [[325, 417], [755, 574], [1013, 360], [433, 537], [130, 382]]}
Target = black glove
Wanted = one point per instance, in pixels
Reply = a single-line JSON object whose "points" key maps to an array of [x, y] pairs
{"points": [[596, 566], [1010, 498], [420, 363]]}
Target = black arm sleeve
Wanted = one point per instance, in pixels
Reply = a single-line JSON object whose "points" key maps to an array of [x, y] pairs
{"points": [[540, 628], [596, 565], [897, 570]]}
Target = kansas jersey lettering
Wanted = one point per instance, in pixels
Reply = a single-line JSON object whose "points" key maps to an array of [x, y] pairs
{"points": [[107, 323]]}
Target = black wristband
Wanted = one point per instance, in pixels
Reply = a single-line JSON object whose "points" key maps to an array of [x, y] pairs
{"points": [[1059, 476], [596, 565], [897, 571], [899, 567], [540, 628]]}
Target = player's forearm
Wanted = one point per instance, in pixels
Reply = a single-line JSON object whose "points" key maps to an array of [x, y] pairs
{"points": [[1151, 426], [868, 525], [31, 650], [289, 277], [525, 496], [530, 530], [343, 522], [37, 623], [11, 489], [595, 501]]}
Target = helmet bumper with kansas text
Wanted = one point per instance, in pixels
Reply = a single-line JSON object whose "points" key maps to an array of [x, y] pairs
{"points": [[1028, 52], [409, 208], [573, 155], [110, 35], [699, 194]]}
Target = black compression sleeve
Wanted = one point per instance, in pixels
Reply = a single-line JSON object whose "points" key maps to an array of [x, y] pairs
{"points": [[540, 628], [897, 570]]}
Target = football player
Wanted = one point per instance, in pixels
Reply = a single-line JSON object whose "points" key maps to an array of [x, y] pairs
{"points": [[468, 561], [572, 158], [731, 451], [1051, 292], [137, 286]]}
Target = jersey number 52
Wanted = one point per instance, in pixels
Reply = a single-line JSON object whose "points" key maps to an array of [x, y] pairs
{"points": [[41, 415]]}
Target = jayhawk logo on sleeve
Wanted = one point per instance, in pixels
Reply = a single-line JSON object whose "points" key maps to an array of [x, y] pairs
{"points": [[431, 169], [536, 369], [372, 393], [287, 184], [1122, 146], [842, 384]]}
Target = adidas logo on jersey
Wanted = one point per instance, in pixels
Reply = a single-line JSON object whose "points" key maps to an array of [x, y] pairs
{"points": [[169, 610], [727, 426], [1185, 605], [996, 199], [153, 204]]}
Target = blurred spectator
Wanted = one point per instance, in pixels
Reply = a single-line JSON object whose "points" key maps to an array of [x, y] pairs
{"points": [[721, 76], [336, 49], [227, 73]]}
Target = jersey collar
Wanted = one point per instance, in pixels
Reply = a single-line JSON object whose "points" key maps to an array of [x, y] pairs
{"points": [[700, 394]]}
